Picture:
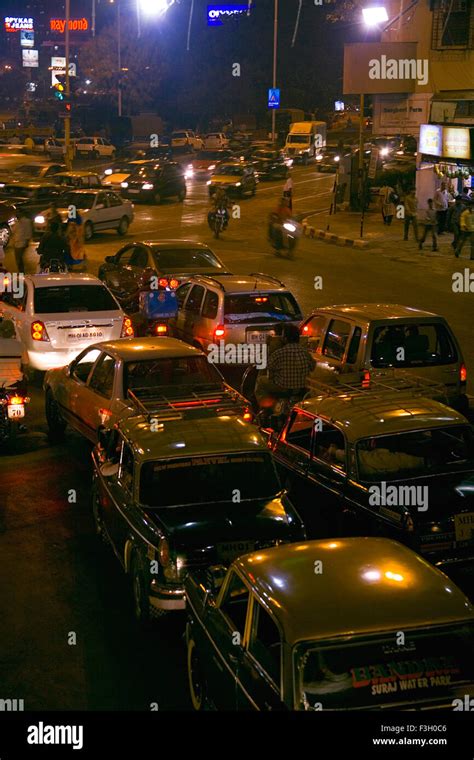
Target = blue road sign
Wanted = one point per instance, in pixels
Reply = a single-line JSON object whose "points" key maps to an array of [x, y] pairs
{"points": [[274, 98]]}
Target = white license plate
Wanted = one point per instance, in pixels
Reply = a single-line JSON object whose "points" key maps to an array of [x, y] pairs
{"points": [[232, 549], [257, 337], [464, 526], [74, 337], [134, 191], [15, 411]]}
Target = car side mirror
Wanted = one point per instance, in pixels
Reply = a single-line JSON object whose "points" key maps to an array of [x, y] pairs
{"points": [[215, 577]]}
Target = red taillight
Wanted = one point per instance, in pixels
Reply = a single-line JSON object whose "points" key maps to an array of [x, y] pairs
{"points": [[13, 400], [366, 379], [163, 282], [305, 329], [38, 331], [261, 299], [161, 329], [174, 284], [248, 416], [219, 332], [463, 373], [127, 328]]}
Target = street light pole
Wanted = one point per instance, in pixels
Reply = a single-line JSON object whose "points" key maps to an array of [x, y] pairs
{"points": [[67, 118], [119, 61], [275, 46]]}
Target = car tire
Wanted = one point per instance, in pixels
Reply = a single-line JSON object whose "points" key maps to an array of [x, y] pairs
{"points": [[141, 602], [182, 195], [157, 198], [122, 229], [56, 424], [196, 681], [88, 231]]}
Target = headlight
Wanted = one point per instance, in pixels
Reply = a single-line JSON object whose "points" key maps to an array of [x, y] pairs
{"points": [[124, 184], [238, 184], [289, 227], [108, 171], [2, 184], [188, 173], [40, 219], [208, 182], [337, 158], [319, 157], [211, 167], [384, 151], [147, 186]]}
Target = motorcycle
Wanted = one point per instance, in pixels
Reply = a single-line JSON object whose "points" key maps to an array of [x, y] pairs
{"points": [[284, 237], [52, 267], [218, 221], [272, 410], [13, 398]]}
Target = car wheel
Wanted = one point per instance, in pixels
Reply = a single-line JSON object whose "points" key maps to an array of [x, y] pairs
{"points": [[56, 424], [123, 226], [157, 198], [182, 195], [141, 602], [88, 230], [197, 687]]}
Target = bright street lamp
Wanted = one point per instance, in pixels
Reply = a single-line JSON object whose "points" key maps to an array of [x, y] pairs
{"points": [[154, 7], [374, 15]]}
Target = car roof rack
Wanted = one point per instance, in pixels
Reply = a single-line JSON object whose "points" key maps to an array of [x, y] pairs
{"points": [[209, 278], [396, 386], [267, 277], [152, 404]]}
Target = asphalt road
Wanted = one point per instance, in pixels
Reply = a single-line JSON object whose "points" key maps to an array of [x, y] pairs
{"points": [[56, 579]]}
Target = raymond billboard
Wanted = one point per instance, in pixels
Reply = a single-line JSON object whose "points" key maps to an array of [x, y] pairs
{"points": [[383, 67]]}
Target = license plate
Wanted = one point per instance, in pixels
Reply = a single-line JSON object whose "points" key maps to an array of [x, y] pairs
{"points": [[232, 549], [15, 411], [257, 337], [464, 526], [134, 191], [85, 335]]}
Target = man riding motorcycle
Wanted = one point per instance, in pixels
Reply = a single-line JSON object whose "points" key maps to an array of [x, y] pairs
{"points": [[288, 370], [219, 200], [277, 219]]}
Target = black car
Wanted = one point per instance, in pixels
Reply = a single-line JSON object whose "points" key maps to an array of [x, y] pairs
{"points": [[35, 171], [269, 164], [32, 196], [154, 182], [170, 262]]}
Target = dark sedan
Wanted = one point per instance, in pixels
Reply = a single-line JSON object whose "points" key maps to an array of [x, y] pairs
{"points": [[154, 182], [31, 196], [170, 262], [270, 164]]}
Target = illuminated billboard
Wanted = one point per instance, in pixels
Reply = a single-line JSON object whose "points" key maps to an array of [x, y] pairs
{"points": [[17, 23], [456, 142], [431, 139]]}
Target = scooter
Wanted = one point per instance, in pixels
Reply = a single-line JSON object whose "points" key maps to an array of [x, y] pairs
{"points": [[218, 221], [284, 237], [13, 398], [271, 411]]}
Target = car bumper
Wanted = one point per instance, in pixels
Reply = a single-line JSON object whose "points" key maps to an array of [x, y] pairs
{"points": [[166, 598], [44, 360], [141, 195], [229, 189]]}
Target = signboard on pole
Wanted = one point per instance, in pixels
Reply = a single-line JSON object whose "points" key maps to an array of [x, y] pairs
{"points": [[30, 58], [374, 157], [274, 97], [27, 39], [58, 66]]}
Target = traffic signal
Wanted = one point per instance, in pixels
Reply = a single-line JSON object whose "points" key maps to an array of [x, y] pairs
{"points": [[59, 87]]}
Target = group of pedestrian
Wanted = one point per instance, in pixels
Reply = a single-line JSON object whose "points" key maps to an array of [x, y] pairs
{"points": [[64, 243], [439, 217]]}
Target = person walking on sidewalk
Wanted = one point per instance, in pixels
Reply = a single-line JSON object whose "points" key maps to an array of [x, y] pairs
{"points": [[429, 222], [388, 199], [288, 190], [455, 220], [411, 209], [467, 230], [441, 207], [22, 234]]}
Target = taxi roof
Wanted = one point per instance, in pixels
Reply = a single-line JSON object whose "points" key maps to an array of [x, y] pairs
{"points": [[130, 349], [375, 311], [370, 414], [205, 435], [63, 278], [365, 585]]}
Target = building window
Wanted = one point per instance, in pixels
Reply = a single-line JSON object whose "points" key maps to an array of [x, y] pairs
{"points": [[453, 24]]}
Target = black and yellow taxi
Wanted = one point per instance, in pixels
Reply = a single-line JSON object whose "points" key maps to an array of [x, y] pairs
{"points": [[237, 178], [340, 624], [183, 485]]}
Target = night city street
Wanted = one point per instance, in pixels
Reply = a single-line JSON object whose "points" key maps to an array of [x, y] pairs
{"points": [[289, 526]]}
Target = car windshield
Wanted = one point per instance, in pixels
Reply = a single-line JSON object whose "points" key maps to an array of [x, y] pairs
{"points": [[209, 155], [186, 261], [168, 376], [246, 308], [373, 672], [67, 298], [233, 170], [18, 190], [416, 454], [298, 138], [412, 345], [31, 169], [79, 200], [206, 479]]}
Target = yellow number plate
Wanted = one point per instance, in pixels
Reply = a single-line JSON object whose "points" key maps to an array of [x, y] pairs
{"points": [[464, 526]]}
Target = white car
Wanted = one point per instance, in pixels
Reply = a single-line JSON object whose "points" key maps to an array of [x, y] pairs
{"points": [[215, 140], [98, 209], [59, 315], [94, 147], [187, 140]]}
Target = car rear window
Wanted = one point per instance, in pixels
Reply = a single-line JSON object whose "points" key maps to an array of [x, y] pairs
{"points": [[247, 308], [187, 260], [370, 672], [412, 345], [207, 479], [416, 454], [169, 375], [69, 298]]}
